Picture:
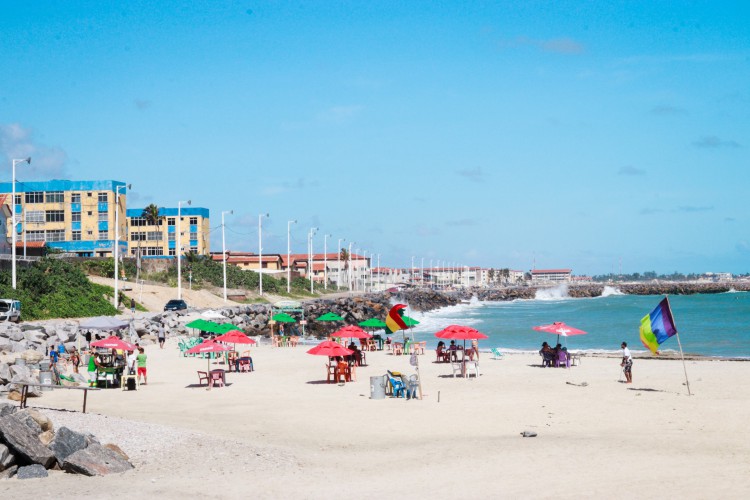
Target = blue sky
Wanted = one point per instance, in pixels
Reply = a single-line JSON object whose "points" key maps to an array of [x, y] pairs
{"points": [[593, 135]]}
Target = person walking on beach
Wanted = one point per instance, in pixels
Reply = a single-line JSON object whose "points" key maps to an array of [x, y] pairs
{"points": [[141, 360], [627, 363], [162, 336], [132, 305]]}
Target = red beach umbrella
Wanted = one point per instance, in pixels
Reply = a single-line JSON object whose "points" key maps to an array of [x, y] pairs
{"points": [[113, 342], [459, 332], [560, 329], [351, 332], [234, 337], [330, 348], [207, 347]]}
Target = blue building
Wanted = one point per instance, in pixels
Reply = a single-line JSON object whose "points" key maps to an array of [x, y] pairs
{"points": [[74, 216]]}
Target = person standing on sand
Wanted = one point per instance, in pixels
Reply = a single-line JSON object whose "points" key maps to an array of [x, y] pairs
{"points": [[161, 336], [627, 363], [93, 366], [141, 359]]}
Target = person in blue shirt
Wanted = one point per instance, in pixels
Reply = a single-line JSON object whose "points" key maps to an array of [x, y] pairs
{"points": [[53, 356]]}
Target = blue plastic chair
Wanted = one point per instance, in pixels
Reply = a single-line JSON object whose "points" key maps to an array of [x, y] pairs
{"points": [[398, 388]]}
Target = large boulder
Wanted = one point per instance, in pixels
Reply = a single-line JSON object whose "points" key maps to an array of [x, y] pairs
{"points": [[9, 472], [20, 371], [40, 418], [6, 457], [19, 346], [15, 334], [25, 417], [7, 409], [24, 443], [66, 443], [33, 355], [31, 472], [96, 460], [5, 374], [35, 336]]}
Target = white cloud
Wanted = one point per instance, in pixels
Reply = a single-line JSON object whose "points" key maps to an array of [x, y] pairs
{"points": [[18, 142]]}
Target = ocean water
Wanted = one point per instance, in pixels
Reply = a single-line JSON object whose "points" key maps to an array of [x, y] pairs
{"points": [[709, 325]]}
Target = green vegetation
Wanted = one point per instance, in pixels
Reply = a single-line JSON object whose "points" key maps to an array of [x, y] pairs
{"points": [[54, 288], [206, 271]]}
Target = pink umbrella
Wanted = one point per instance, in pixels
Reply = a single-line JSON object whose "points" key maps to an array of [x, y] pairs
{"points": [[351, 332], [113, 342], [559, 328]]}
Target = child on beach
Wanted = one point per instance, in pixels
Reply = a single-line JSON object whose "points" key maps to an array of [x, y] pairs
{"points": [[627, 363], [141, 360]]}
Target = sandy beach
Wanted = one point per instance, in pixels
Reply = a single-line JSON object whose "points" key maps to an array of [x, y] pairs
{"points": [[283, 432]]}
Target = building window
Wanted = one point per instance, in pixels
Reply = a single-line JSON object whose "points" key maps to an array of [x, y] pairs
{"points": [[103, 235], [34, 235], [75, 236], [170, 221], [75, 197], [54, 197], [139, 236], [89, 233], [18, 199], [75, 216], [138, 221], [55, 216], [172, 252], [194, 249], [193, 236], [35, 216], [194, 220], [56, 235], [153, 251], [171, 236], [103, 197], [34, 197], [154, 236], [103, 216]]}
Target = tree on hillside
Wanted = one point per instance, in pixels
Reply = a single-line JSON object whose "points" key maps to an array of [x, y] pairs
{"points": [[151, 214], [344, 255]]}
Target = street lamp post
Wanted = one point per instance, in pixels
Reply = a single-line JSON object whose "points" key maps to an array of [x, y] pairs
{"points": [[13, 220], [224, 250], [260, 252], [178, 249], [421, 277], [338, 264], [364, 278], [349, 274], [325, 260], [310, 256], [289, 255], [117, 240]]}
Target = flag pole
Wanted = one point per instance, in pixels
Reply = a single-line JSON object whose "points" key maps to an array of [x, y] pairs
{"points": [[682, 356]]}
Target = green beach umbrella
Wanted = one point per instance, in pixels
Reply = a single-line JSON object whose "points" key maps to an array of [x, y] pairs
{"points": [[200, 324], [225, 327], [329, 316], [372, 323], [283, 318]]}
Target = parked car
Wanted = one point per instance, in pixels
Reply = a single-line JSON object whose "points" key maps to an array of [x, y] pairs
{"points": [[176, 305], [10, 310]]}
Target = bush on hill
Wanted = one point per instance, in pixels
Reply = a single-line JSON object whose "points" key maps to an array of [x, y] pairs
{"points": [[52, 288]]}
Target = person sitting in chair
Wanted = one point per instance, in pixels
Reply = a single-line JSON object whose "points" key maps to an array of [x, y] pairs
{"points": [[547, 353]]}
